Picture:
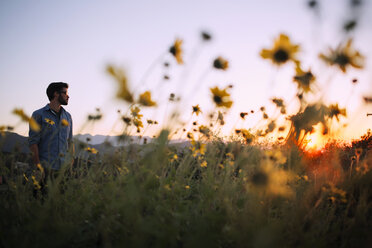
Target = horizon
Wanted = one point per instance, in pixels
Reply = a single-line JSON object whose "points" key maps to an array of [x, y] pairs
{"points": [[74, 42]]}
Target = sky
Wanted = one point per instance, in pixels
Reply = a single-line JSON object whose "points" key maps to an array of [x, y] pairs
{"points": [[73, 41]]}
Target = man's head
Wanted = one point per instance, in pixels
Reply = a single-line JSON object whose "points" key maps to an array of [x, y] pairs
{"points": [[57, 91]]}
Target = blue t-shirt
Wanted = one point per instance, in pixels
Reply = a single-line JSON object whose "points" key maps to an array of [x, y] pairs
{"points": [[54, 137]]}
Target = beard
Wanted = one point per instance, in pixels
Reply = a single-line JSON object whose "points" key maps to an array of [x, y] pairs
{"points": [[62, 101]]}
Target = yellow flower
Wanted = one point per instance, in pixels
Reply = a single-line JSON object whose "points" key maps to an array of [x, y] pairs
{"points": [[271, 180], [190, 136], [220, 63], [167, 187], [187, 187], [173, 158], [221, 98], [204, 130], [276, 156], [35, 182], [64, 122], [91, 150], [243, 114], [121, 78], [176, 51], [138, 123], [248, 136], [49, 121], [145, 99], [33, 124], [40, 167], [335, 111], [303, 79], [221, 166], [135, 112], [344, 56], [204, 164], [196, 109], [198, 148], [282, 51]]}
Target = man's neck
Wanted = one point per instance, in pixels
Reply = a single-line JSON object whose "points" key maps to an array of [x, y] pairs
{"points": [[56, 107]]}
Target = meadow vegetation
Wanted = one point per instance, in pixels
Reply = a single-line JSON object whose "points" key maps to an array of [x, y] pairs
{"points": [[245, 191]]}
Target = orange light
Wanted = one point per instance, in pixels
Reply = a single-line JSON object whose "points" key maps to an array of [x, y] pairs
{"points": [[315, 141]]}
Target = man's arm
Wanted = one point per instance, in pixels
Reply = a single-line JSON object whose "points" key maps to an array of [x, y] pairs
{"points": [[34, 139]]}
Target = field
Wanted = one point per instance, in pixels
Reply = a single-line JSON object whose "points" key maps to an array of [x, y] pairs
{"points": [[268, 184], [244, 196]]}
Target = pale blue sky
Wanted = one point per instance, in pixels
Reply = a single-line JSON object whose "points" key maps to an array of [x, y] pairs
{"points": [[72, 41]]}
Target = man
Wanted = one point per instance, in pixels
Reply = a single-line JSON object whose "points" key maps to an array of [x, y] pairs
{"points": [[51, 145]]}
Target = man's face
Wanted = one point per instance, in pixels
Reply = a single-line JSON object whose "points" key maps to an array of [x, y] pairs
{"points": [[63, 97]]}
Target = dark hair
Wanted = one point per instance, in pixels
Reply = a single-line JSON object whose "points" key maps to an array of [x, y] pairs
{"points": [[53, 87]]}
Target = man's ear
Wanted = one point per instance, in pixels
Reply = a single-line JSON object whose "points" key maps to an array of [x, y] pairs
{"points": [[55, 94]]}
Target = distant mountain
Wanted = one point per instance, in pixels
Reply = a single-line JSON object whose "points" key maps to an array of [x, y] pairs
{"points": [[10, 142], [113, 140]]}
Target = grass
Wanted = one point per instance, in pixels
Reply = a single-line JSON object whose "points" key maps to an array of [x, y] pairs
{"points": [[151, 201]]}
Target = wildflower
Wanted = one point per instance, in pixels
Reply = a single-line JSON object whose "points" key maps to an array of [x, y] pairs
{"points": [[271, 180], [312, 115], [40, 167], [135, 112], [344, 56], [64, 122], [171, 97], [283, 110], [358, 151], [243, 114], [176, 51], [167, 187], [278, 102], [91, 150], [335, 111], [25, 177], [270, 127], [248, 137], [49, 121], [350, 25], [190, 136], [138, 123], [197, 148], [32, 122], [334, 193], [221, 166], [121, 78], [127, 120], [36, 183], [173, 158], [206, 36], [221, 98], [145, 99], [187, 187], [204, 130], [276, 156], [204, 164], [220, 63], [196, 109], [282, 51], [220, 118]]}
